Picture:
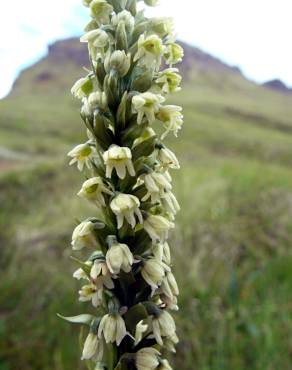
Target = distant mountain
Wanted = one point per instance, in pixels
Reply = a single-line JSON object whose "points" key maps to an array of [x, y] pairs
{"points": [[278, 85], [62, 64]]}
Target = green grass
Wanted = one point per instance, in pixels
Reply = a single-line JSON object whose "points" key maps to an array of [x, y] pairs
{"points": [[232, 245]]}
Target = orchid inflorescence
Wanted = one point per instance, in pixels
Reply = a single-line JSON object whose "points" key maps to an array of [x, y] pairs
{"points": [[128, 276]]}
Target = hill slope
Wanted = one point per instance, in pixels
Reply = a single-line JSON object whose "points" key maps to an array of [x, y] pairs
{"points": [[232, 246]]}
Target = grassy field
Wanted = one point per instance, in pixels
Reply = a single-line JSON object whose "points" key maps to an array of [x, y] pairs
{"points": [[232, 245]]}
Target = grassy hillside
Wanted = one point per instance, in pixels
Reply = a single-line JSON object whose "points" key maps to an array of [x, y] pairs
{"points": [[232, 246]]}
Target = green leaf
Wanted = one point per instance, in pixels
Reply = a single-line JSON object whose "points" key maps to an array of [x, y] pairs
{"points": [[142, 81], [121, 114], [144, 149], [135, 315], [84, 319]]}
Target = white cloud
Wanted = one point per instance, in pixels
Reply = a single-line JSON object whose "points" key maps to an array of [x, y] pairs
{"points": [[27, 27], [254, 34]]}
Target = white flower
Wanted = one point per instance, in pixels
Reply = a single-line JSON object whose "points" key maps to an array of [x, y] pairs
{"points": [[169, 80], [113, 328], [169, 285], [120, 159], [150, 51], [168, 159], [164, 365], [80, 274], [157, 227], [172, 119], [101, 10], [119, 257], [156, 184], [83, 154], [93, 348], [147, 359], [92, 293], [163, 326], [173, 53], [100, 275], [148, 105], [161, 251], [170, 343], [86, 2], [126, 206], [96, 38], [126, 17], [83, 236], [162, 26], [151, 2], [82, 88], [141, 328], [153, 272], [170, 204], [93, 190]]}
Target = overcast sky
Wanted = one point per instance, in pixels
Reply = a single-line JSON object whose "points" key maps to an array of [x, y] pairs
{"points": [[253, 34]]}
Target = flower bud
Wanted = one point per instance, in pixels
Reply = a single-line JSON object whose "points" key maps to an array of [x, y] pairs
{"points": [[126, 17], [82, 88], [161, 251], [118, 61], [170, 204], [173, 53], [83, 236], [169, 285], [96, 100], [126, 206], [150, 51]]}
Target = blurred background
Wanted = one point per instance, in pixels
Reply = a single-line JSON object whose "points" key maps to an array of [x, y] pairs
{"points": [[232, 244]]}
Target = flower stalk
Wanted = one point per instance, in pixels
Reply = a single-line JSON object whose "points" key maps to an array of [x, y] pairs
{"points": [[127, 275]]}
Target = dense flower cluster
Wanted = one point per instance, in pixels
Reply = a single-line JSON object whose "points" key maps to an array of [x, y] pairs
{"points": [[128, 276]]}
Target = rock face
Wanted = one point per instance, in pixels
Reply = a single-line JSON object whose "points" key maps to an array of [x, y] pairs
{"points": [[278, 85]]}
